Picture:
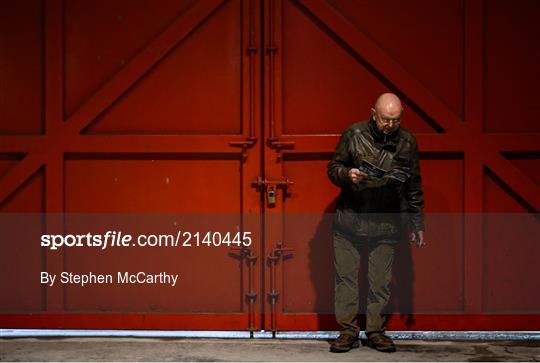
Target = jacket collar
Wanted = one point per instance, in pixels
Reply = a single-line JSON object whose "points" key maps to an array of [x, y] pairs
{"points": [[390, 139]]}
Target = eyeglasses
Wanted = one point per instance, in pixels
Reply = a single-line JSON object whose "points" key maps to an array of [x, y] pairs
{"points": [[387, 121]]}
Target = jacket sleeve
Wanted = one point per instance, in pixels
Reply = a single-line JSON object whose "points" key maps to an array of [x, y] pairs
{"points": [[340, 164], [413, 192]]}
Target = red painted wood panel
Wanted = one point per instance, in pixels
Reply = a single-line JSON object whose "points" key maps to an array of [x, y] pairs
{"points": [[93, 56], [8, 161], [324, 87], [424, 38], [332, 61], [22, 258], [184, 94], [511, 250], [510, 73], [21, 69], [166, 188]]}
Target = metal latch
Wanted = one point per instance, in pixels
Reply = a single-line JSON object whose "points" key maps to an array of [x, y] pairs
{"points": [[271, 187], [276, 254]]}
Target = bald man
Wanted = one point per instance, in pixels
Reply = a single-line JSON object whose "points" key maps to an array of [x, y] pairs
{"points": [[376, 166]]}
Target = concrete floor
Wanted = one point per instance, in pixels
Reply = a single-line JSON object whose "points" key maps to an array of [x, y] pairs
{"points": [[173, 349]]}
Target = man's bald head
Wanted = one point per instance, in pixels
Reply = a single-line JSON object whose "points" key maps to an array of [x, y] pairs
{"points": [[388, 103], [387, 112]]}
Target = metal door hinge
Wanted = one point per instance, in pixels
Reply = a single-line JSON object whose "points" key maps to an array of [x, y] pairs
{"points": [[251, 295], [275, 255], [244, 144], [278, 252], [271, 50], [278, 145], [247, 254]]}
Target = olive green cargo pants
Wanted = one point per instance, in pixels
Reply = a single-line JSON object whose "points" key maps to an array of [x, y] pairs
{"points": [[347, 264]]}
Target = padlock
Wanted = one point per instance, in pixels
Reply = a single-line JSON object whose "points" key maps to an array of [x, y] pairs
{"points": [[271, 195]]}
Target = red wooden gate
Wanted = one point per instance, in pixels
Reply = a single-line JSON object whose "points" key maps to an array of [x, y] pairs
{"points": [[209, 107], [327, 62], [146, 110]]}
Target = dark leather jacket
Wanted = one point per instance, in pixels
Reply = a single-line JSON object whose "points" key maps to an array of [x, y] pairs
{"points": [[377, 207]]}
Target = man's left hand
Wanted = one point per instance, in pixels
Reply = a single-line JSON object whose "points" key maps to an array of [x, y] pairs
{"points": [[417, 237]]}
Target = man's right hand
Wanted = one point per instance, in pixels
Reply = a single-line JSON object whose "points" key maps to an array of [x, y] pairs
{"points": [[356, 175]]}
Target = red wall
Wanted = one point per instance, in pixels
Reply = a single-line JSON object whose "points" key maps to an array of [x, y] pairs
{"points": [[176, 107]]}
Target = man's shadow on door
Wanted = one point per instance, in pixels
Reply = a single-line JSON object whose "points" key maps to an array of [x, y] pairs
{"points": [[321, 266]]}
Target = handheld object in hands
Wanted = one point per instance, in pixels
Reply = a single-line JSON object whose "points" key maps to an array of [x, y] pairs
{"points": [[401, 174], [371, 170]]}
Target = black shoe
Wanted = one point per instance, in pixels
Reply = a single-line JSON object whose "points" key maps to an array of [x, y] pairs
{"points": [[344, 343], [382, 343]]}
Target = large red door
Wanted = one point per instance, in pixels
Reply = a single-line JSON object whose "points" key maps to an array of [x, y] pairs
{"points": [[131, 113], [326, 63], [224, 114]]}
